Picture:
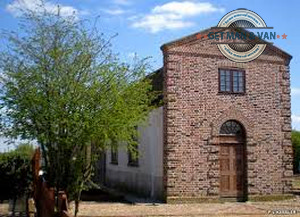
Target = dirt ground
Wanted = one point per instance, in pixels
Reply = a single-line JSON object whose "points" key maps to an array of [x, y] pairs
{"points": [[110, 209], [279, 208], [97, 209]]}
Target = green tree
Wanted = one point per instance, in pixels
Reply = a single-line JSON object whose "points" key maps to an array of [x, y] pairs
{"points": [[296, 150], [64, 87]]}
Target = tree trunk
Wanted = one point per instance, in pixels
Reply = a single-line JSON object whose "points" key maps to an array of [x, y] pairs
{"points": [[77, 203], [14, 206]]}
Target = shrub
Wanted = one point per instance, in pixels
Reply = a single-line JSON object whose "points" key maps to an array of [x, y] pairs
{"points": [[15, 172], [296, 150]]}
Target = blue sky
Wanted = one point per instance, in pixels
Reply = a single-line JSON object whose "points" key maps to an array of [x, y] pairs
{"points": [[143, 26]]}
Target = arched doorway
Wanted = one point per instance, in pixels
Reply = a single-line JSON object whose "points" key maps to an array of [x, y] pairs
{"points": [[232, 160]]}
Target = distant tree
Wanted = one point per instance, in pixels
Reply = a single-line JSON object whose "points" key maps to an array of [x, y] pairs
{"points": [[16, 173], [296, 149], [63, 86]]}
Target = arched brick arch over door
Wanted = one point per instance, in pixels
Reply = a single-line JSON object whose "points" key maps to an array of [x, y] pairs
{"points": [[234, 114]]}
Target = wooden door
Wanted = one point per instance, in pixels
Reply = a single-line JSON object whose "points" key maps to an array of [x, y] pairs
{"points": [[232, 170]]}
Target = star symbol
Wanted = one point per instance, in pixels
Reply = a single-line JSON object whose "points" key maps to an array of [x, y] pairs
{"points": [[284, 36], [205, 36], [199, 36], [278, 36]]}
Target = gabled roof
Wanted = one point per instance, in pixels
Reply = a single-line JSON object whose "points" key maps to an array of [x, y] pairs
{"points": [[156, 78], [193, 37]]}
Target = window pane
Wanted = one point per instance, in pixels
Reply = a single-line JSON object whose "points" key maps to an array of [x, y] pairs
{"points": [[231, 128], [231, 81], [235, 81], [133, 159], [228, 81], [241, 82], [114, 154], [222, 80]]}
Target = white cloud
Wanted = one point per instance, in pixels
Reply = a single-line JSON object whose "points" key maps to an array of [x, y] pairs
{"points": [[116, 11], [295, 91], [187, 8], [296, 122], [17, 6], [157, 22], [173, 15]]}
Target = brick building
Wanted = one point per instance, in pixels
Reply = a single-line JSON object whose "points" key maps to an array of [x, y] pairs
{"points": [[224, 130]]}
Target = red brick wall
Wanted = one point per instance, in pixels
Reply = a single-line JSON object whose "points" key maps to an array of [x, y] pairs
{"points": [[194, 112]]}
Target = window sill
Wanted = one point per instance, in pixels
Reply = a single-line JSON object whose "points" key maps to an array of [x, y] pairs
{"points": [[231, 93]]}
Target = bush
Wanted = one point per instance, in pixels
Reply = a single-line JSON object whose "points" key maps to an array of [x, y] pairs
{"points": [[296, 149], [16, 172]]}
